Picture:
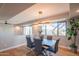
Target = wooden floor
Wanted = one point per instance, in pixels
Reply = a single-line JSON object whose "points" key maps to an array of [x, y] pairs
{"points": [[23, 51]]}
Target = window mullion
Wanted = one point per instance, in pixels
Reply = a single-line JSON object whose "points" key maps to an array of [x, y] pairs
{"points": [[57, 28], [45, 30]]}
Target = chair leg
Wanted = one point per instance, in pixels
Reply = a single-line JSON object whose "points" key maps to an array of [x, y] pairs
{"points": [[31, 51], [48, 53], [45, 53]]}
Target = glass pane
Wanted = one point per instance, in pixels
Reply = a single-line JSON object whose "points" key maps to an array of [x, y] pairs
{"points": [[62, 28], [54, 29], [49, 29], [43, 29], [28, 30]]}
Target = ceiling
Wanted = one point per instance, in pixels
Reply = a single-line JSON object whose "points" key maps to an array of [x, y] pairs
{"points": [[8, 10], [73, 9], [20, 13]]}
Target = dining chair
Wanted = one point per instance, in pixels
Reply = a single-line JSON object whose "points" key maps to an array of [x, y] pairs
{"points": [[30, 44], [55, 48], [38, 46], [41, 37], [49, 37]]}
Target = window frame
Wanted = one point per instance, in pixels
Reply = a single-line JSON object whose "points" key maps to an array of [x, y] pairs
{"points": [[28, 30], [57, 28]]}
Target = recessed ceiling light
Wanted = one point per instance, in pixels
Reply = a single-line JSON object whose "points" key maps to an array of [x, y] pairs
{"points": [[77, 10]]}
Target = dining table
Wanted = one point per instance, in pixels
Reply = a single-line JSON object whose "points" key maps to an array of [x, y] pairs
{"points": [[47, 44]]}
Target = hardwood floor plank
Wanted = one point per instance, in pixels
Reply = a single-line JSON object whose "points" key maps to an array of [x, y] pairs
{"points": [[24, 51]]}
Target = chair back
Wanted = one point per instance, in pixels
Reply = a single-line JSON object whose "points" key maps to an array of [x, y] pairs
{"points": [[56, 46], [49, 37], [42, 37], [29, 42], [38, 46]]}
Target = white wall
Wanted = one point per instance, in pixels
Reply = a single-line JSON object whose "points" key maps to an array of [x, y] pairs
{"points": [[8, 38]]}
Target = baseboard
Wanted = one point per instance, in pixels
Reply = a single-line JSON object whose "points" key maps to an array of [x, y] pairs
{"points": [[68, 48], [12, 47], [64, 47]]}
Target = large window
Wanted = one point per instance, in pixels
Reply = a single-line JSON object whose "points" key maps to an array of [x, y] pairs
{"points": [[43, 27], [55, 28], [49, 29], [28, 30], [62, 28]]}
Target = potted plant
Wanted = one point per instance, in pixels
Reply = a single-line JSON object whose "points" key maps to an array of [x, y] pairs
{"points": [[72, 32]]}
